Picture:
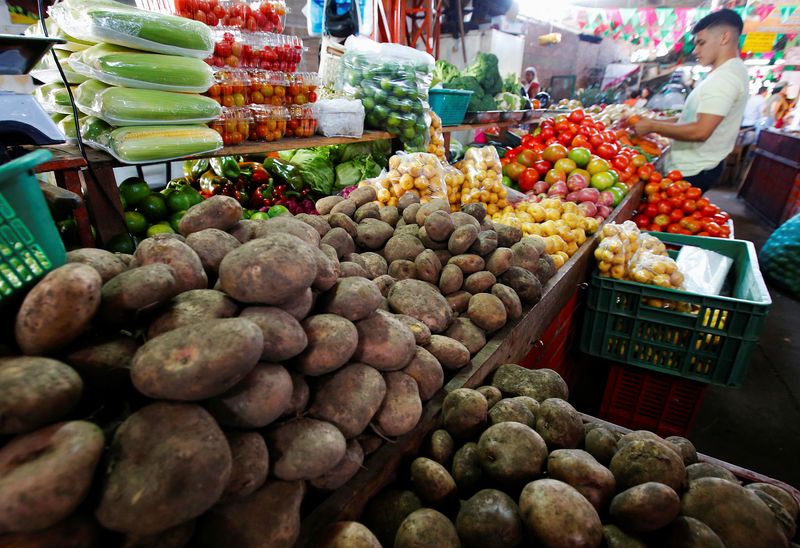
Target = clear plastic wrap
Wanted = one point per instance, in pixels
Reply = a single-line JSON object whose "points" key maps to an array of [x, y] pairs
{"points": [[302, 121], [269, 123], [115, 23], [418, 172], [264, 16], [267, 87], [67, 127], [233, 124], [143, 107], [705, 270], [302, 88], [483, 179], [47, 72], [95, 132], [649, 268], [118, 66], [266, 51], [54, 97], [392, 83], [454, 181], [149, 144], [613, 254], [73, 44], [436, 137], [231, 87], [339, 117]]}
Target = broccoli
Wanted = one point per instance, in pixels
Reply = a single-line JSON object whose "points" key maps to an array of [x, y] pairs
{"points": [[479, 101], [484, 69], [511, 83], [509, 101], [443, 72]]}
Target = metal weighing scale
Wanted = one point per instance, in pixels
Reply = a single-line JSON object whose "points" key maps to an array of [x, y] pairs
{"points": [[22, 120]]}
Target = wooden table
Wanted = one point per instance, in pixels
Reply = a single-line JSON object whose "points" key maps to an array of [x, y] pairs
{"points": [[509, 345]]}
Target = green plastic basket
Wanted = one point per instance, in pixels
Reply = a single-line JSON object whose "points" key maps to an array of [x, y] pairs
{"points": [[713, 345], [30, 245], [449, 104]]}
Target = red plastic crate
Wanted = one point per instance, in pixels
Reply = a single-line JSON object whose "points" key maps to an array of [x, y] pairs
{"points": [[551, 350], [644, 400]]}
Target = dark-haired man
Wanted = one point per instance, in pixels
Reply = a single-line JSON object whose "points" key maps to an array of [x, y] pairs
{"points": [[709, 124]]}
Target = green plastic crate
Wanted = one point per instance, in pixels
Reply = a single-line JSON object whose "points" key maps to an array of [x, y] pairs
{"points": [[713, 345], [30, 245], [449, 104]]}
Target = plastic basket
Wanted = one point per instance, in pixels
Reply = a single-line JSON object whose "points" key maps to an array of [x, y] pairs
{"points": [[29, 242], [643, 400], [712, 344], [449, 104]]}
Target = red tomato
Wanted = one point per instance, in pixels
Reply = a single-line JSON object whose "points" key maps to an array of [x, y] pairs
{"points": [[661, 220], [620, 162], [606, 151], [676, 215], [676, 202], [675, 175], [655, 177], [724, 215], [562, 126], [664, 207], [645, 171], [708, 211], [577, 116], [542, 167], [650, 210], [565, 138], [642, 221], [654, 198], [684, 185], [654, 228], [713, 229], [650, 188], [580, 140], [674, 228], [693, 193], [547, 133], [703, 233], [600, 126], [673, 191], [596, 140], [690, 225], [525, 157], [689, 206], [702, 202], [527, 179], [610, 137]]}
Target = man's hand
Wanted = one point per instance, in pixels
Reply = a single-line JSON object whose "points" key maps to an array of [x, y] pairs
{"points": [[643, 127], [688, 131]]}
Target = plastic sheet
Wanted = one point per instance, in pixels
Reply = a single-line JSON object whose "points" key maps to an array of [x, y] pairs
{"points": [[705, 271], [483, 179], [54, 98], [118, 66], [141, 107], [340, 117], [115, 23], [392, 83], [149, 144]]}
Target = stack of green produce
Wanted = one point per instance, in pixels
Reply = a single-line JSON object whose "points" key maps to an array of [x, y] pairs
{"points": [[392, 83], [482, 78], [143, 74]]}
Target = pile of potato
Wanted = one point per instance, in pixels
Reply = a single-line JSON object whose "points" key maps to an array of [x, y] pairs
{"points": [[514, 465], [175, 394]]}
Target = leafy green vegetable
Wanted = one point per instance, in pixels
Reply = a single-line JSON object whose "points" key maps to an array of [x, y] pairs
{"points": [[354, 171], [484, 69], [316, 168], [511, 83], [443, 72], [479, 101], [509, 101]]}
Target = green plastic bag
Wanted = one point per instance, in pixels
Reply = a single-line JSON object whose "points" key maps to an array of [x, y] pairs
{"points": [[780, 256]]}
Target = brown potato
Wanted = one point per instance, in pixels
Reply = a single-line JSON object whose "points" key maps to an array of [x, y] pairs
{"points": [[546, 269], [508, 235], [591, 479], [410, 212], [492, 394], [250, 464], [688, 533], [466, 470], [552, 511], [479, 282], [316, 222], [779, 494], [486, 243], [539, 384], [686, 449], [490, 519], [243, 230], [384, 342], [422, 335], [460, 219], [189, 272], [462, 239], [327, 270], [614, 537], [366, 211], [511, 453], [429, 267], [403, 270], [340, 240], [174, 537], [526, 254], [351, 270], [441, 447], [439, 226], [211, 245], [645, 507], [352, 298], [459, 301], [373, 233], [468, 334], [241, 524], [340, 220], [526, 284], [304, 449], [451, 279], [510, 301], [347, 534], [261, 397], [348, 398], [427, 371], [77, 531], [401, 408], [283, 335], [387, 510], [286, 224], [332, 340], [429, 208], [344, 470], [58, 308], [469, 264], [443, 255], [708, 470], [402, 247], [384, 283], [389, 215], [324, 205], [559, 424], [450, 353], [511, 410], [269, 270], [464, 412], [35, 392], [477, 210], [195, 305], [432, 482], [601, 444], [487, 311], [426, 528], [300, 395], [222, 212], [346, 206], [499, 261], [406, 200], [197, 361], [375, 265], [641, 461], [106, 264], [300, 305], [44, 475], [422, 301], [104, 364], [163, 445]]}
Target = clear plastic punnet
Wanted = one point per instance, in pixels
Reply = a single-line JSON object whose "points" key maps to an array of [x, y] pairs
{"points": [[392, 82], [302, 121], [269, 123], [233, 124], [264, 16], [302, 88], [119, 66], [115, 23], [267, 87], [141, 107], [260, 50], [230, 87]]}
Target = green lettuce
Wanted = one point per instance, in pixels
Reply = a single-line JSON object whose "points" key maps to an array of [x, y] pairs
{"points": [[315, 166]]}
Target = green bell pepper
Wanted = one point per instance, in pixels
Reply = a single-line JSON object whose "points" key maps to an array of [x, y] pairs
{"points": [[226, 166]]}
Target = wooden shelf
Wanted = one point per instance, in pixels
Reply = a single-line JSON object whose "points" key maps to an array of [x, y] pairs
{"points": [[509, 345]]}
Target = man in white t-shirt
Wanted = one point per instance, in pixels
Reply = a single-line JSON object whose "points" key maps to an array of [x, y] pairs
{"points": [[709, 125], [752, 109]]}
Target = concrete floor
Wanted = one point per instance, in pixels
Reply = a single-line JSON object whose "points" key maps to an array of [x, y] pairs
{"points": [[757, 425]]}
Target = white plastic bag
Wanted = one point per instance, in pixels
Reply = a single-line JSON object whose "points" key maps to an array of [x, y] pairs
{"points": [[339, 117], [704, 270]]}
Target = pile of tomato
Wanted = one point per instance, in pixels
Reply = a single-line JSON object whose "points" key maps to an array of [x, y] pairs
{"points": [[674, 205]]}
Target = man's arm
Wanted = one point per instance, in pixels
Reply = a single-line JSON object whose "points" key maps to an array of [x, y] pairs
{"points": [[690, 131]]}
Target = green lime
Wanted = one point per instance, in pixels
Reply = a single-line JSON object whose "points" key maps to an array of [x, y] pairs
{"points": [[124, 202], [409, 132], [194, 196], [153, 208], [368, 103], [277, 210], [68, 229], [175, 220], [134, 190], [399, 92], [136, 222], [261, 215], [178, 201], [386, 84], [381, 112], [159, 228], [121, 243]]}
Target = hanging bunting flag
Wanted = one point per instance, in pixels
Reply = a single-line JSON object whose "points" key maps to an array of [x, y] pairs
{"points": [[661, 16], [763, 10], [787, 12], [615, 17], [627, 15]]}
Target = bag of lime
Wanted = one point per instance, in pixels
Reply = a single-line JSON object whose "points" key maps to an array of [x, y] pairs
{"points": [[392, 82]]}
